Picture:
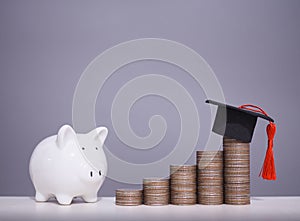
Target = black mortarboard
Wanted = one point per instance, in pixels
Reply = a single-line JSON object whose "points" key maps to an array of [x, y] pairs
{"points": [[236, 123]]}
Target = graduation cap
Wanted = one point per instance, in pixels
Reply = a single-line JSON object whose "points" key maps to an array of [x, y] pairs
{"points": [[239, 123]]}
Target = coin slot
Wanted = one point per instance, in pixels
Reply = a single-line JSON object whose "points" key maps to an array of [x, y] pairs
{"points": [[91, 173]]}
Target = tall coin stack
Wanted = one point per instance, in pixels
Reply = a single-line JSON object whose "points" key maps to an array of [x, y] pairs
{"points": [[156, 191], [183, 184], [236, 172], [210, 177], [129, 197]]}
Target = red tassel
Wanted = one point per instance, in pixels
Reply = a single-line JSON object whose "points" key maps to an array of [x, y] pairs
{"points": [[267, 171]]}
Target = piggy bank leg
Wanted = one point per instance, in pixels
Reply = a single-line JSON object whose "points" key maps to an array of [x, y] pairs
{"points": [[63, 199], [90, 198], [41, 197]]}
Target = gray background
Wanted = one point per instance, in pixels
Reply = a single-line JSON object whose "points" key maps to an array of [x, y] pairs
{"points": [[252, 46]]}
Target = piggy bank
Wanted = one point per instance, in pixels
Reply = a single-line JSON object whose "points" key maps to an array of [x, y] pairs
{"points": [[69, 165]]}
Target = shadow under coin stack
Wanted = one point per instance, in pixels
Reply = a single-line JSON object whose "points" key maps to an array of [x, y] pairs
{"points": [[210, 177], [129, 197], [156, 191], [183, 184], [236, 172]]}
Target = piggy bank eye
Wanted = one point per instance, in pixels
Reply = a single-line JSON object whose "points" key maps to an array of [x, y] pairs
{"points": [[82, 148], [96, 148]]}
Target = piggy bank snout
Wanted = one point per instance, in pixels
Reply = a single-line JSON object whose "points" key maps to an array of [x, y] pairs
{"points": [[95, 174]]}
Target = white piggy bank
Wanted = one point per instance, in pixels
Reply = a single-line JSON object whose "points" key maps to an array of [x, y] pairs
{"points": [[69, 165]]}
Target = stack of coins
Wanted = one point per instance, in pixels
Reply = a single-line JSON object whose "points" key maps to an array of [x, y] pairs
{"points": [[156, 191], [129, 197], [236, 172], [210, 177], [183, 184]]}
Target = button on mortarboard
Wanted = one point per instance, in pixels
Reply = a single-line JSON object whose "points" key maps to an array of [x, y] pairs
{"points": [[235, 123]]}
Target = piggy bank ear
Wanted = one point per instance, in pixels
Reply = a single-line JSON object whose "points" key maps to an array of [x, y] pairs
{"points": [[65, 135], [101, 133]]}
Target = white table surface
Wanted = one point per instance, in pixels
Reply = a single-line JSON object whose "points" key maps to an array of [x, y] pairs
{"points": [[261, 208]]}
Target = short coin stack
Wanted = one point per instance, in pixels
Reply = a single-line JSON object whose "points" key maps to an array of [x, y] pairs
{"points": [[156, 191], [183, 184], [210, 177], [129, 197], [236, 172]]}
